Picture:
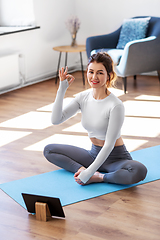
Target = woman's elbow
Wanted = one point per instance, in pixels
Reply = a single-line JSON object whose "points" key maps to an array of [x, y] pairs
{"points": [[55, 121]]}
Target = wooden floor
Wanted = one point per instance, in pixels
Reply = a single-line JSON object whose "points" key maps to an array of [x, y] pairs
{"points": [[25, 129]]}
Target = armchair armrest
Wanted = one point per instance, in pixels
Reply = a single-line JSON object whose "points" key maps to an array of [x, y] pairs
{"points": [[139, 56], [102, 41]]}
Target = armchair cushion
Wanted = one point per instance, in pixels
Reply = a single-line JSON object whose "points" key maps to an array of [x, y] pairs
{"points": [[132, 29], [115, 54]]}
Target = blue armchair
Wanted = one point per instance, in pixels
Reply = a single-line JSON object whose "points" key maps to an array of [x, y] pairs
{"points": [[138, 56]]}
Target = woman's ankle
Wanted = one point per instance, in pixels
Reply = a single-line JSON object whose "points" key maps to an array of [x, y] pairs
{"points": [[100, 176]]}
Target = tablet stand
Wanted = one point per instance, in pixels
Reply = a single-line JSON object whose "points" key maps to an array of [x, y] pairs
{"points": [[42, 211], [43, 206]]}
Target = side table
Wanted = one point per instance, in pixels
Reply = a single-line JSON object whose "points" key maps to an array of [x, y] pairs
{"points": [[66, 50]]}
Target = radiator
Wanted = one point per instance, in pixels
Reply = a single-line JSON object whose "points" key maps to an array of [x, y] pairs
{"points": [[9, 71]]}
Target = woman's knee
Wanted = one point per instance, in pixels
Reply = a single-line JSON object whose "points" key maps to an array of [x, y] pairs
{"points": [[51, 154], [142, 171], [48, 149], [139, 172]]}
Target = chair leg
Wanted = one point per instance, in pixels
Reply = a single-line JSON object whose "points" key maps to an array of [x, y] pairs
{"points": [[135, 77], [135, 80], [125, 84], [158, 72]]}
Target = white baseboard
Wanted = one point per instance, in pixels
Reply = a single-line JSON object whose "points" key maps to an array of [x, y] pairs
{"points": [[40, 78], [50, 75]]}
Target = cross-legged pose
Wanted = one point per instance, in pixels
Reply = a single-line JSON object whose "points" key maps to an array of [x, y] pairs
{"points": [[102, 116]]}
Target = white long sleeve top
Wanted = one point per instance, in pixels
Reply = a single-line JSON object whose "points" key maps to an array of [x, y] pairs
{"points": [[102, 119]]}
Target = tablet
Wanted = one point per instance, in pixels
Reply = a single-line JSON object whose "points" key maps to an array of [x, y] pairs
{"points": [[54, 204]]}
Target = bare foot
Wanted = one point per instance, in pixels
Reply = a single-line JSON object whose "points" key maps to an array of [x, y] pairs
{"points": [[97, 177]]}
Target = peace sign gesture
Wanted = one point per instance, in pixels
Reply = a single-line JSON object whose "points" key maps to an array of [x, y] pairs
{"points": [[63, 74]]}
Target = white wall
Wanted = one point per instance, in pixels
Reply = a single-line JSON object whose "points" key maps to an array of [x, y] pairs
{"points": [[104, 16], [36, 46], [96, 16]]}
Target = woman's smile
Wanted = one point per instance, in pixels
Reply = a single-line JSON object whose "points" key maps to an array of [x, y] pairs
{"points": [[95, 82]]}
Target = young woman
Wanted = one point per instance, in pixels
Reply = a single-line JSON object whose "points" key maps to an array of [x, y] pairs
{"points": [[102, 116]]}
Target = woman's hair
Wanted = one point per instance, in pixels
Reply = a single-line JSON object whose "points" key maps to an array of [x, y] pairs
{"points": [[106, 60]]}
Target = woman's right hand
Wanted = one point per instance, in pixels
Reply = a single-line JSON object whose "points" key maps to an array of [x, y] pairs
{"points": [[77, 174], [63, 74]]}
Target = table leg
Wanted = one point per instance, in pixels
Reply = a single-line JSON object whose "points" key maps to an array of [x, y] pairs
{"points": [[59, 60], [82, 68], [66, 60]]}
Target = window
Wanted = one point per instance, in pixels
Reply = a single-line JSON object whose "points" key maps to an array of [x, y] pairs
{"points": [[16, 13]]}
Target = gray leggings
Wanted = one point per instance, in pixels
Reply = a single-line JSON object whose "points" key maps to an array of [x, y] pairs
{"points": [[119, 167]]}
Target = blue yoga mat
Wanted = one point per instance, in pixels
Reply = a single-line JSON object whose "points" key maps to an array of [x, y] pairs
{"points": [[61, 184]]}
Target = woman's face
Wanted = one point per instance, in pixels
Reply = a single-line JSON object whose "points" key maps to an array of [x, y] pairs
{"points": [[97, 75]]}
